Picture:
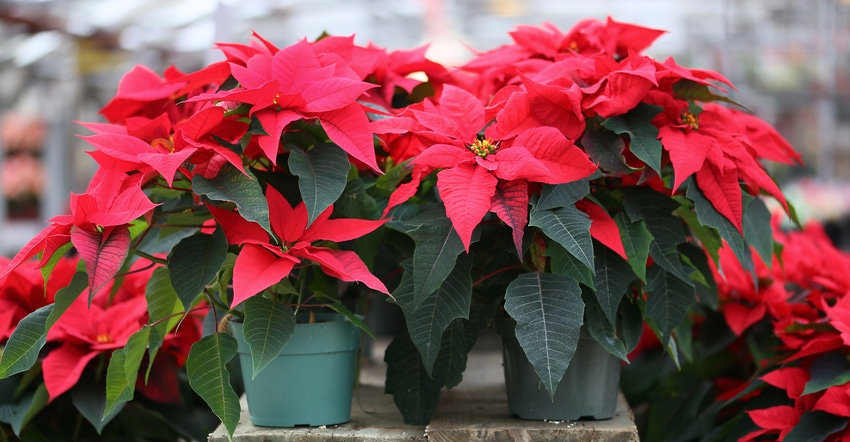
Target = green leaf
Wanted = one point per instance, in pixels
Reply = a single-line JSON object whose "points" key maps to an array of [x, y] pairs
{"points": [[612, 278], [606, 148], [194, 263], [208, 377], [427, 321], [815, 426], [47, 269], [562, 195], [569, 227], [163, 302], [757, 229], [549, 313], [322, 175], [709, 216], [656, 210], [118, 392], [708, 236], [600, 329], [451, 361], [694, 91], [437, 248], [25, 410], [240, 187], [707, 292], [66, 296], [636, 239], [667, 301], [630, 324], [643, 135], [828, 370], [123, 370], [416, 395], [671, 261], [268, 325], [26, 341], [564, 263], [89, 398]]}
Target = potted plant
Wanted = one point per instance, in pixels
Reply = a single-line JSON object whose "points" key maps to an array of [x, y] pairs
{"points": [[580, 188], [253, 189]]}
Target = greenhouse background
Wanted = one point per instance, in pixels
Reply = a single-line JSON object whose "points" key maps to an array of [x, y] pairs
{"points": [[60, 61]]}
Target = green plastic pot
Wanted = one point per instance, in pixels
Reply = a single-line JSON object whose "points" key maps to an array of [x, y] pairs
{"points": [[311, 381], [588, 389]]}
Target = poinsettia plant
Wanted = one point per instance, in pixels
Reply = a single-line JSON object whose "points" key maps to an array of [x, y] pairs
{"points": [[572, 182], [566, 178], [769, 364], [61, 397], [249, 188]]}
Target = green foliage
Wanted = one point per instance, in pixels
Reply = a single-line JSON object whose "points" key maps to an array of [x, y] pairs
{"points": [[237, 186], [195, 262], [321, 173], [208, 376], [549, 313], [268, 325], [643, 135]]}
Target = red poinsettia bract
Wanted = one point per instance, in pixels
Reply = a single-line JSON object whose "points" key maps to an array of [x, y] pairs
{"points": [[482, 173], [263, 262]]}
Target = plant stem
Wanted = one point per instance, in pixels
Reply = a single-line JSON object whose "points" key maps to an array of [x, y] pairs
{"points": [[150, 257]]}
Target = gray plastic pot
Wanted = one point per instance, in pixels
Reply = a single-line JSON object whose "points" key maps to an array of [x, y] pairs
{"points": [[588, 389], [311, 381]]}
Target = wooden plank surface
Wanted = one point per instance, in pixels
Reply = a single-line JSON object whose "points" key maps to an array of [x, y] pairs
{"points": [[475, 410]]}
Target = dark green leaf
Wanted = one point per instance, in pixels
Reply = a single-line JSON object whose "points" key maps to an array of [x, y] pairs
{"points": [[268, 325], [240, 187], [709, 216], [451, 361], [415, 393], [208, 376], [569, 227], [437, 248], [667, 301], [549, 313], [26, 341], [757, 228], [707, 293], [708, 236], [643, 135], [90, 400], [630, 324], [827, 371], [66, 296], [564, 263], [322, 175], [606, 148], [694, 91], [194, 263], [656, 210], [600, 329], [427, 321], [562, 195], [613, 277], [636, 239], [671, 261], [815, 426], [20, 413]]}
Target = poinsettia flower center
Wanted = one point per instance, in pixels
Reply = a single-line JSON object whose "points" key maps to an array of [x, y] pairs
{"points": [[690, 119], [162, 145], [103, 338], [483, 147]]}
